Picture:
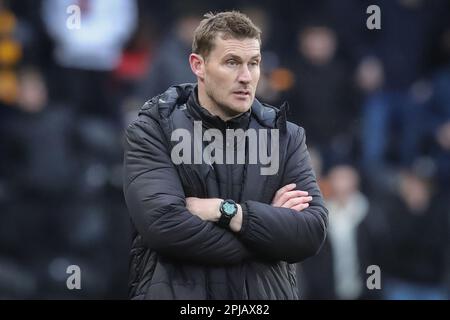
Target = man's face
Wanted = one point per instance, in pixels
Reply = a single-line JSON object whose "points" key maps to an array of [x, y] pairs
{"points": [[231, 74]]}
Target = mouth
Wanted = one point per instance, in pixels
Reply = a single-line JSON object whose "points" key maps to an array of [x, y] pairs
{"points": [[242, 93]]}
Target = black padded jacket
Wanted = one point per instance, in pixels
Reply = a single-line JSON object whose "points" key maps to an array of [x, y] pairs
{"points": [[175, 254]]}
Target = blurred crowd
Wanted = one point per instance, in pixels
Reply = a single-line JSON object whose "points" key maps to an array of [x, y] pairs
{"points": [[375, 105]]}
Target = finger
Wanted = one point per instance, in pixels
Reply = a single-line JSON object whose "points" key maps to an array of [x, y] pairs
{"points": [[300, 207], [284, 189], [279, 201], [292, 202], [289, 195], [296, 201]]}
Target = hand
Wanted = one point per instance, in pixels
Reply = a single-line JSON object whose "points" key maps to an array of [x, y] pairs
{"points": [[287, 197], [205, 209]]}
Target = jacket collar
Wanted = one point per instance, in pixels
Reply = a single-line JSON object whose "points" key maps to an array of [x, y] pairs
{"points": [[212, 121], [161, 106]]}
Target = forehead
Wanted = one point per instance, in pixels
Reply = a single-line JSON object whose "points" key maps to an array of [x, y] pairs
{"points": [[244, 48]]}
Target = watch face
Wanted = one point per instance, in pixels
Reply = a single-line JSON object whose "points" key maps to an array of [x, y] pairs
{"points": [[229, 208]]}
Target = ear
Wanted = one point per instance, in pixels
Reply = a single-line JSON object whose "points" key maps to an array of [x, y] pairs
{"points": [[197, 65]]}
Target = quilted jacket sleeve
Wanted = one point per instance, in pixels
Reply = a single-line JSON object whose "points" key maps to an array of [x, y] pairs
{"points": [[286, 234]]}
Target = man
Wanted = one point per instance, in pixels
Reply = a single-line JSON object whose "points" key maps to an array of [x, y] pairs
{"points": [[209, 229]]}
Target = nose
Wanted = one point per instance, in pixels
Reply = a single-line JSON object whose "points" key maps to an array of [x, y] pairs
{"points": [[244, 74]]}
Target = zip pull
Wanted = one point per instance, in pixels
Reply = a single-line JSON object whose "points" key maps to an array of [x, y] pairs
{"points": [[282, 118]]}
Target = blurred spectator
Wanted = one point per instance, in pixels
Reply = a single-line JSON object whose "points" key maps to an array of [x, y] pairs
{"points": [[337, 271], [87, 55], [438, 116], [274, 79], [97, 44], [441, 132], [416, 245], [42, 167], [136, 57], [322, 87], [171, 64], [348, 208]]}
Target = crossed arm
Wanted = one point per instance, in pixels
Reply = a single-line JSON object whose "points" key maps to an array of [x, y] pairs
{"points": [[290, 229], [286, 197]]}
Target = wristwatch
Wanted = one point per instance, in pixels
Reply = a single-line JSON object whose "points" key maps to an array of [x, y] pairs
{"points": [[228, 209]]}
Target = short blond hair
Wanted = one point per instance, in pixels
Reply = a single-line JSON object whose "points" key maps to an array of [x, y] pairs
{"points": [[228, 24]]}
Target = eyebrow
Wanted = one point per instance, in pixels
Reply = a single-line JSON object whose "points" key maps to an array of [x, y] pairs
{"points": [[233, 56]]}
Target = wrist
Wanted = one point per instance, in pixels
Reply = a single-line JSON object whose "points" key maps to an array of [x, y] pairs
{"points": [[216, 212], [236, 221]]}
